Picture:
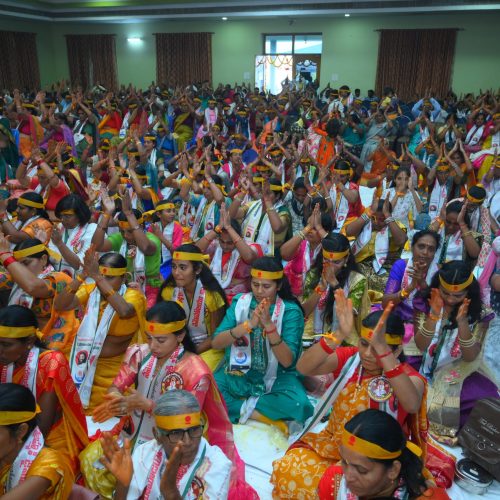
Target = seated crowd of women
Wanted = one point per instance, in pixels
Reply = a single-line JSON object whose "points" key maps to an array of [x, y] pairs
{"points": [[176, 303]]}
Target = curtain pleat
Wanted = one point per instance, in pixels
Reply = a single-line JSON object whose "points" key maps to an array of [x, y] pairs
{"points": [[415, 61], [20, 67], [92, 60], [183, 58]]}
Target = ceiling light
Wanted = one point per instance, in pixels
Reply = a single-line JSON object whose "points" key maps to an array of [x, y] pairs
{"points": [[224, 18], [347, 15], [134, 39]]}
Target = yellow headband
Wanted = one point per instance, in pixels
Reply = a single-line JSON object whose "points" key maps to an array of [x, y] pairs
{"points": [[26, 252], [191, 256], [236, 150], [68, 212], [335, 255], [173, 422], [17, 332], [367, 333], [29, 203], [163, 206], [474, 200], [124, 224], [112, 271], [262, 168], [267, 275], [372, 450], [453, 288], [258, 179], [18, 417], [273, 187], [142, 177], [69, 160], [164, 328]]}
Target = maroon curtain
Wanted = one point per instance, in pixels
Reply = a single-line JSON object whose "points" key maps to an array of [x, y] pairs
{"points": [[415, 61], [19, 61], [183, 58], [92, 60]]}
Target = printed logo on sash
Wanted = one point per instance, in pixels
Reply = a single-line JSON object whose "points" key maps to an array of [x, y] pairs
{"points": [[172, 381]]}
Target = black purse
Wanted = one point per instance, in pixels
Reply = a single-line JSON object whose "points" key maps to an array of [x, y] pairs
{"points": [[480, 436]]}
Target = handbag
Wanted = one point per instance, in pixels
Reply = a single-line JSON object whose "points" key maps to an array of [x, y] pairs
{"points": [[480, 436]]}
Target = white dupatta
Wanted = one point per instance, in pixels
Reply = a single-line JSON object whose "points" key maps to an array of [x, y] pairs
{"points": [[195, 313], [474, 135], [25, 458], [138, 262], [88, 343], [437, 199], [381, 245], [224, 276], [209, 219], [340, 207], [242, 312]]}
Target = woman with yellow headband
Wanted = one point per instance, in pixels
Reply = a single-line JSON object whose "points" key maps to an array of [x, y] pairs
{"points": [[261, 334], [168, 231], [207, 203], [334, 268], [377, 461], [230, 255], [28, 468], [143, 196], [179, 463], [24, 360], [112, 320], [32, 282], [265, 221], [31, 219], [167, 362], [196, 288], [479, 217], [458, 241], [371, 375], [379, 241], [73, 239], [405, 201], [141, 249], [450, 331], [46, 183], [442, 186], [343, 200]]}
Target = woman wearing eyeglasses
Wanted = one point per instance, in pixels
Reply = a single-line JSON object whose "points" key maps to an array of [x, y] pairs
{"points": [[178, 463]]}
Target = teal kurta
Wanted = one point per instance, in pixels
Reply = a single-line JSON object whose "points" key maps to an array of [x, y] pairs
{"points": [[287, 399]]}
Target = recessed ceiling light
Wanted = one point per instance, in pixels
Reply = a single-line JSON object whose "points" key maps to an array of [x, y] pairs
{"points": [[347, 15], [224, 18]]}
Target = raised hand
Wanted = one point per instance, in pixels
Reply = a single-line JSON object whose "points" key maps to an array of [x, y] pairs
{"points": [[168, 486], [463, 311], [118, 460], [378, 338], [57, 235], [345, 314], [436, 302], [107, 203]]}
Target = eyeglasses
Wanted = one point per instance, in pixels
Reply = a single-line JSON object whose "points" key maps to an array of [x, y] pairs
{"points": [[178, 435]]}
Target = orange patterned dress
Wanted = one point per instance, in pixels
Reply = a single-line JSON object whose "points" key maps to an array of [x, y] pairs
{"points": [[68, 435], [297, 474]]}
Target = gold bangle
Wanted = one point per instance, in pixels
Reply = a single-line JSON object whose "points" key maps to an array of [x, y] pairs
{"points": [[109, 294], [246, 326], [404, 293]]}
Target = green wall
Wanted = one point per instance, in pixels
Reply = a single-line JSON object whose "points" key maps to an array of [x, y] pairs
{"points": [[350, 46]]}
